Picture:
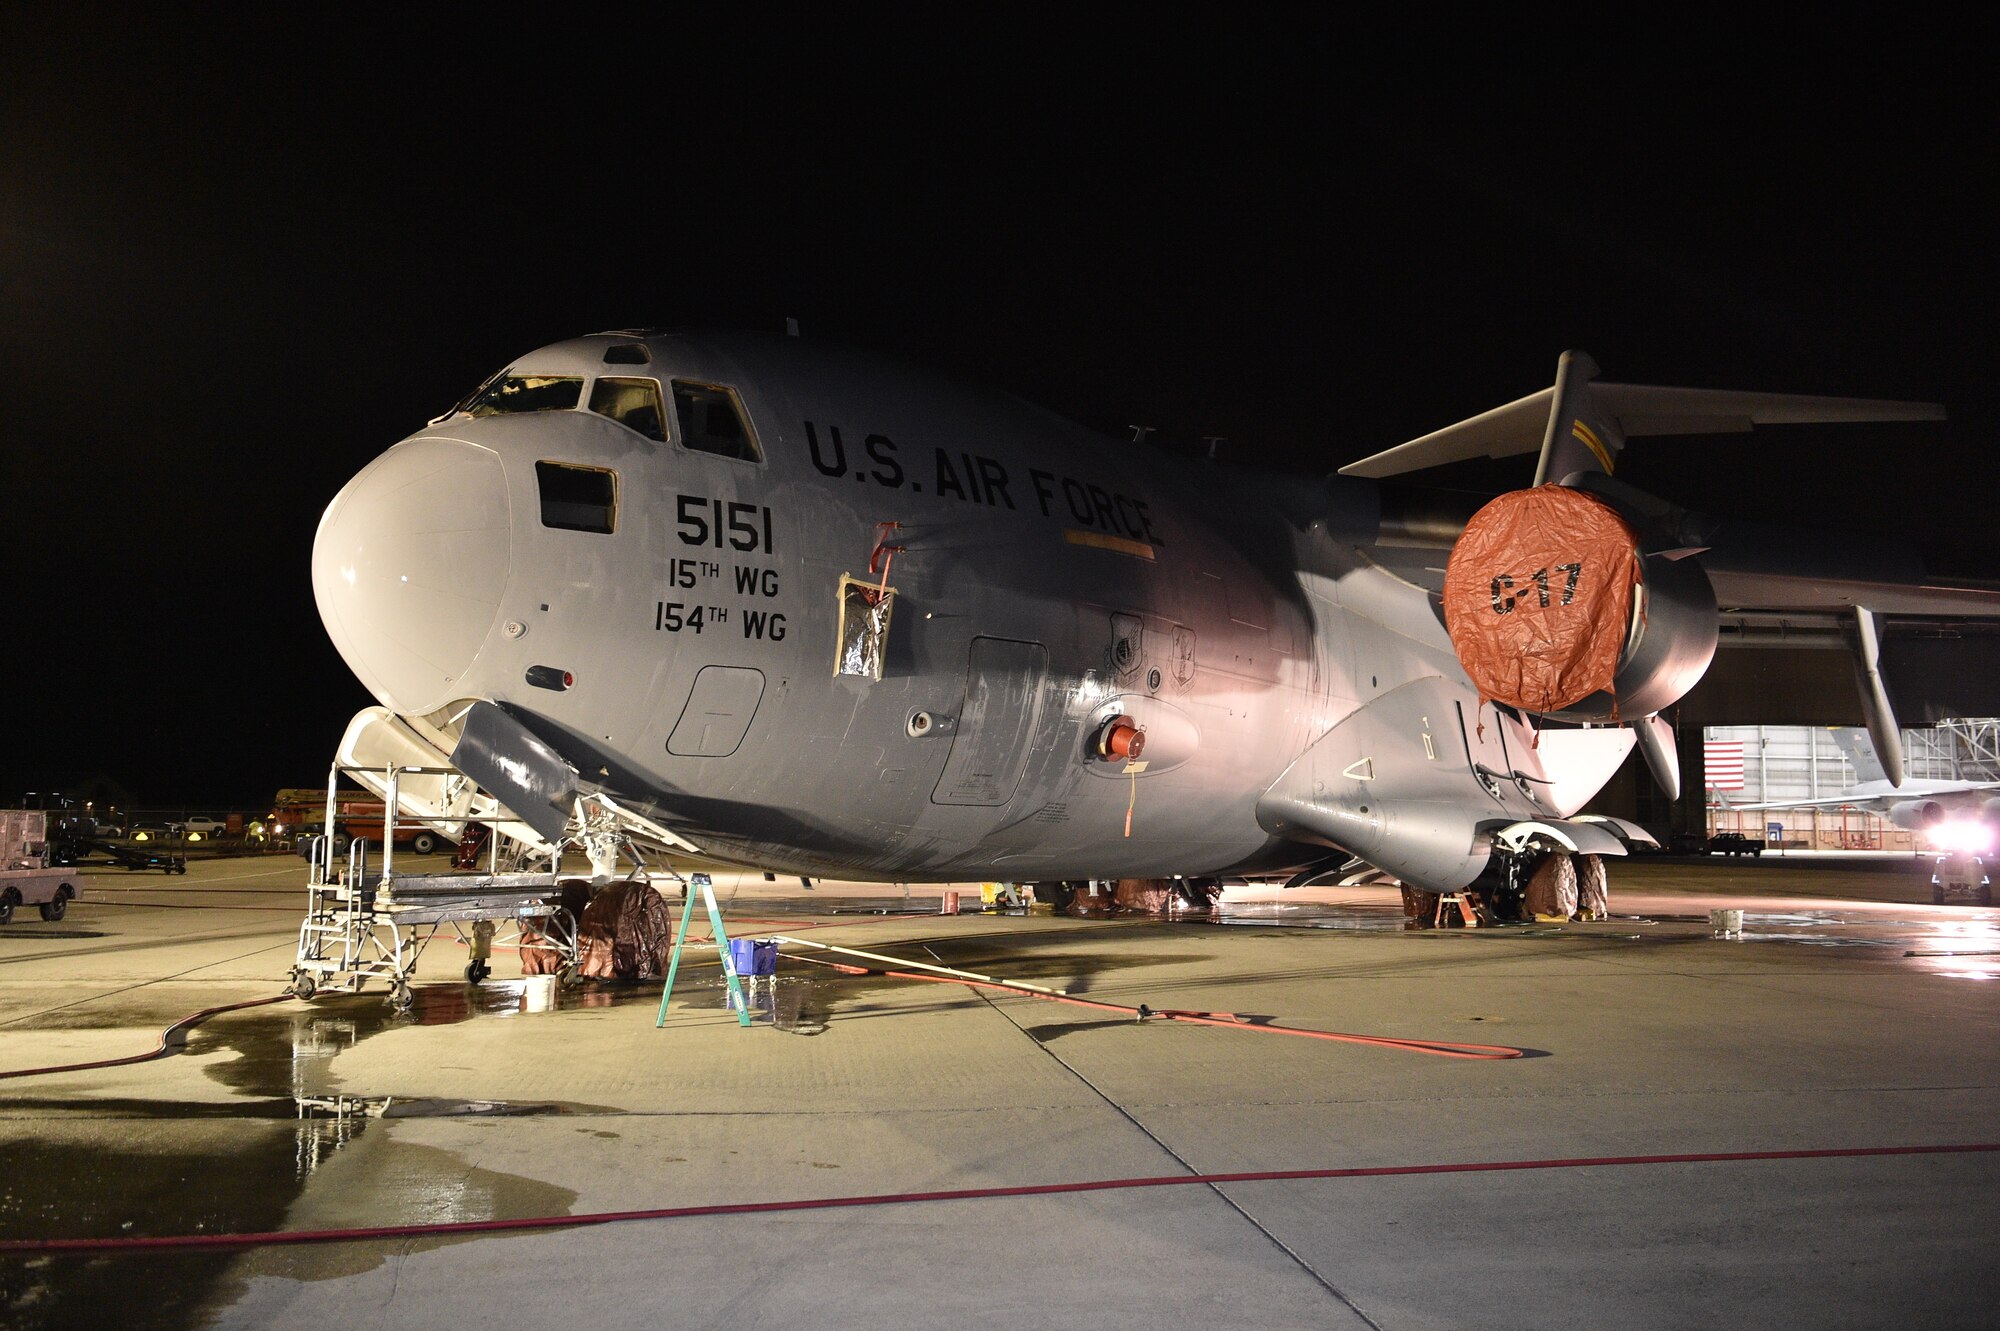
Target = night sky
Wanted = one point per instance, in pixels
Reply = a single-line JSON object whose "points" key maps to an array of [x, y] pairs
{"points": [[238, 261]]}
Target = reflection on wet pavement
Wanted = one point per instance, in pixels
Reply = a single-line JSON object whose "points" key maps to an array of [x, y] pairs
{"points": [[289, 1122], [1368, 916], [795, 1004], [1939, 938]]}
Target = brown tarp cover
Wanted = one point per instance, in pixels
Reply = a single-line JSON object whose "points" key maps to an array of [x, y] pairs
{"points": [[1091, 903], [1552, 889], [1149, 896], [538, 958], [1538, 596], [1153, 896], [1593, 888], [627, 931]]}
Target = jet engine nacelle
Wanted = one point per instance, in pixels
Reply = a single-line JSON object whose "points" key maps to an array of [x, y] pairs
{"points": [[1554, 608], [1916, 815]]}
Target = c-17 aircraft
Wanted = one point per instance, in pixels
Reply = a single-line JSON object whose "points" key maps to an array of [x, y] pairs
{"points": [[801, 609]]}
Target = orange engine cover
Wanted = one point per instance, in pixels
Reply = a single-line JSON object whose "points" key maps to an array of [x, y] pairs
{"points": [[1538, 597]]}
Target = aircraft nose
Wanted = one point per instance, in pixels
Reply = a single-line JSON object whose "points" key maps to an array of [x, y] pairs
{"points": [[409, 566]]}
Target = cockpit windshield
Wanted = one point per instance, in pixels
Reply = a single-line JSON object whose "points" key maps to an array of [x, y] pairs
{"points": [[526, 392], [633, 403]]}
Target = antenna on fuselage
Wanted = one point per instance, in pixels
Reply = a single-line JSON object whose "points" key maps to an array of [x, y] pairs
{"points": [[1139, 432], [791, 327], [1215, 443]]}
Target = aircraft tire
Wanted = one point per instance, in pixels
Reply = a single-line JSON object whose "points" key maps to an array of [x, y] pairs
{"points": [[1056, 895], [1197, 894]]}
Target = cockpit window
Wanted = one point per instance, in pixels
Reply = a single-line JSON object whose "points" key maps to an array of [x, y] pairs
{"points": [[712, 421], [577, 498], [526, 392], [633, 403]]}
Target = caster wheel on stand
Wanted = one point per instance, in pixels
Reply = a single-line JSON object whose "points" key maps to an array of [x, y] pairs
{"points": [[400, 997], [304, 983], [476, 971]]}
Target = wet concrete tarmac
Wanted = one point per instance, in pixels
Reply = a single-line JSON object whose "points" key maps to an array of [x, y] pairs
{"points": [[1834, 1020]]}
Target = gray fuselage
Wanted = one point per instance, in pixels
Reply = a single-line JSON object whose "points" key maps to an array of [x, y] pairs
{"points": [[1047, 581]]}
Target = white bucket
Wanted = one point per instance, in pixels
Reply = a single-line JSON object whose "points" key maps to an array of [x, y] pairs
{"points": [[1726, 923], [538, 993]]}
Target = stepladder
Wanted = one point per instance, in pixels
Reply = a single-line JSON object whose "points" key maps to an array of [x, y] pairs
{"points": [[703, 884]]}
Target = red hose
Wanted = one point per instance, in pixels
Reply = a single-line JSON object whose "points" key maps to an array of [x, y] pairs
{"points": [[1442, 1048], [188, 1022], [1229, 1020], [181, 1242]]}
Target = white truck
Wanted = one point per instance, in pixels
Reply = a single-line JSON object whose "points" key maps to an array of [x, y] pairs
{"points": [[26, 876]]}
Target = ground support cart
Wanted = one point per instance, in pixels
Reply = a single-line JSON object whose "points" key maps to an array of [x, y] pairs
{"points": [[27, 878], [362, 924], [51, 890], [359, 927]]}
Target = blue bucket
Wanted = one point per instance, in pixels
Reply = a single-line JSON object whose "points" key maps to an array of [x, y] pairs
{"points": [[753, 957]]}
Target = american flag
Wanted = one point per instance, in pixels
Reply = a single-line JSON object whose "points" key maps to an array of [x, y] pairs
{"points": [[1723, 759]]}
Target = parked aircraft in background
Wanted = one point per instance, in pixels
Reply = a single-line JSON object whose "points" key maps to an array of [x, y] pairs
{"points": [[801, 609], [1952, 815]]}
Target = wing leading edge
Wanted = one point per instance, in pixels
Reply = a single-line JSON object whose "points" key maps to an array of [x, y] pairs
{"points": [[1637, 410]]}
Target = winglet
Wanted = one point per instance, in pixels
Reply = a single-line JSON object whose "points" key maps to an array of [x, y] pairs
{"points": [[1875, 708], [1579, 437]]}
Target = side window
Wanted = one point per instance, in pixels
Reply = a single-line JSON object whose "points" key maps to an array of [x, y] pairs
{"points": [[712, 421], [633, 403], [526, 392], [577, 498]]}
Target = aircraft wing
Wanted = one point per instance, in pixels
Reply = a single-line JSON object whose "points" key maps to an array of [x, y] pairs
{"points": [[1919, 637], [1921, 644], [1826, 802], [1636, 409], [1768, 567], [1927, 790]]}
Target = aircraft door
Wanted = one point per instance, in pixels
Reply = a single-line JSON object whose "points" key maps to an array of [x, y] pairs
{"points": [[718, 712], [1003, 703]]}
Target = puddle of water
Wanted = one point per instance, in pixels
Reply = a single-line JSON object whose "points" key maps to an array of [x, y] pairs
{"points": [[406, 1184], [795, 1004], [64, 1183], [1816, 940], [1308, 915], [241, 1165]]}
